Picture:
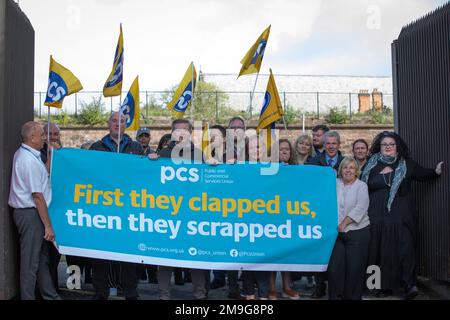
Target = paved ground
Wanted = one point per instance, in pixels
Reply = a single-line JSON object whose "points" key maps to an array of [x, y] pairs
{"points": [[150, 291]]}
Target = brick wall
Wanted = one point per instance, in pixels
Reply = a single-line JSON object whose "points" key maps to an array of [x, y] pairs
{"points": [[377, 100], [75, 137], [364, 101]]}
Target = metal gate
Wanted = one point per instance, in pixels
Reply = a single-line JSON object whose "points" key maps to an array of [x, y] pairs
{"points": [[421, 71]]}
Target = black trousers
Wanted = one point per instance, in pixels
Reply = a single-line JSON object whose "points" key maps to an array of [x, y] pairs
{"points": [[129, 278], [232, 276], [347, 267], [320, 278]]}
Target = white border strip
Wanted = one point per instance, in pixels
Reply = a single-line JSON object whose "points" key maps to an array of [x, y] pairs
{"points": [[106, 255]]}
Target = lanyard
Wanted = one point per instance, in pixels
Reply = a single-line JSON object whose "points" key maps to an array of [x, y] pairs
{"points": [[38, 158]]}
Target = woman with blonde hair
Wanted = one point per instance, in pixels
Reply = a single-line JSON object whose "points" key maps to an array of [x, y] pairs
{"points": [[303, 149], [346, 269]]}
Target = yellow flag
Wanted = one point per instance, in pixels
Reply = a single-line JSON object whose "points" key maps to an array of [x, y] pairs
{"points": [[131, 108], [113, 85], [272, 109], [251, 63], [62, 82], [206, 143], [184, 94]]}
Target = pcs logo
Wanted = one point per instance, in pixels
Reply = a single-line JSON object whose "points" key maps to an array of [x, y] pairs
{"points": [[181, 174]]}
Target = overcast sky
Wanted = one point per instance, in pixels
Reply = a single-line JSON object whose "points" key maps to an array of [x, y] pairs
{"points": [[320, 37]]}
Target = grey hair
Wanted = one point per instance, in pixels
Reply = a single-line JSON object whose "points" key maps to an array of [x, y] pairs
{"points": [[51, 124], [28, 129], [114, 113], [332, 134]]}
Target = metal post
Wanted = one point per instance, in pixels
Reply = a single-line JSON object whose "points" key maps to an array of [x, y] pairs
{"points": [[252, 94], [40, 104], [284, 100], [217, 106], [250, 110], [318, 106], [76, 105], [350, 103], [146, 104]]}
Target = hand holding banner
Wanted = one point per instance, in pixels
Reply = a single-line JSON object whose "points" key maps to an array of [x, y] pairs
{"points": [[225, 217]]}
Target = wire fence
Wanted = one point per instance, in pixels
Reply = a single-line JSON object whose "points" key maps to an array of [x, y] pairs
{"points": [[220, 102]]}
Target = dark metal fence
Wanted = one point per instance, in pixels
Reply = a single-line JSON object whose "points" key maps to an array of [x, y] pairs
{"points": [[421, 77], [314, 103]]}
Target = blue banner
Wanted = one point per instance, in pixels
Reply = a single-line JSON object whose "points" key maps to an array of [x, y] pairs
{"points": [[226, 217]]}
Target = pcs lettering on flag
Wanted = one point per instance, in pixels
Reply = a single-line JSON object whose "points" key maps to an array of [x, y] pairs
{"points": [[131, 108], [184, 94], [113, 85], [62, 82]]}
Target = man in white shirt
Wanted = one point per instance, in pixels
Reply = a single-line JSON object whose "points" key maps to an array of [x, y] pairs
{"points": [[30, 196]]}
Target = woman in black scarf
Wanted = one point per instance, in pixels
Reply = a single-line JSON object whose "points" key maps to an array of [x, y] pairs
{"points": [[388, 174]]}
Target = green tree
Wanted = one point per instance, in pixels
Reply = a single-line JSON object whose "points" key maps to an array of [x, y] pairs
{"points": [[92, 113]]}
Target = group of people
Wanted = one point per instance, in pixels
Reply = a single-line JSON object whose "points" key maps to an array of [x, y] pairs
{"points": [[376, 211]]}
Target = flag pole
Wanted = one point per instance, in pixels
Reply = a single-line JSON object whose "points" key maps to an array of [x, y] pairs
{"points": [[252, 94], [285, 126], [48, 134], [120, 121], [192, 98]]}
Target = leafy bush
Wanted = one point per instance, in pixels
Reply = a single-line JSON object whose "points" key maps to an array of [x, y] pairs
{"points": [[64, 119], [92, 113], [290, 115], [154, 109], [337, 115], [384, 117]]}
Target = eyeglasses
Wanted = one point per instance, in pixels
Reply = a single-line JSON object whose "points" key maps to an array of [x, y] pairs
{"points": [[385, 145]]}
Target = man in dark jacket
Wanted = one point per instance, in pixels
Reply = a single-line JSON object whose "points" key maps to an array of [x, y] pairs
{"points": [[109, 143], [318, 133], [181, 147], [331, 157], [143, 136]]}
